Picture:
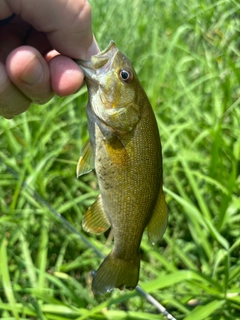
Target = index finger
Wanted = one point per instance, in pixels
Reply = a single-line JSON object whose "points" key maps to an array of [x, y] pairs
{"points": [[67, 24]]}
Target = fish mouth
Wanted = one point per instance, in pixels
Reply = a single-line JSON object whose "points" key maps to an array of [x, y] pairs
{"points": [[102, 60]]}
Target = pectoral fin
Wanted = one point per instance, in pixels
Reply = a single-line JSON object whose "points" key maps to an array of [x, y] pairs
{"points": [[158, 222], [95, 219], [111, 146], [86, 160]]}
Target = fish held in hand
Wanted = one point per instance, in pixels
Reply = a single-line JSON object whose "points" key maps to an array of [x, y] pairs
{"points": [[125, 150]]}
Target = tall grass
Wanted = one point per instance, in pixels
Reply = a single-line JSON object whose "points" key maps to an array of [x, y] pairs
{"points": [[187, 56]]}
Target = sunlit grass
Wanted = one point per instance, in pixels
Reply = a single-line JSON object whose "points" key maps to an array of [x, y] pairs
{"points": [[187, 57]]}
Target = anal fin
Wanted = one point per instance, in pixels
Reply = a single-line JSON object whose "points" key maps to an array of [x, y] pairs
{"points": [[95, 219], [158, 222]]}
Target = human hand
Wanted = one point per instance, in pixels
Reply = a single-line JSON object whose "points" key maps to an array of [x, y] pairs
{"points": [[36, 48]]}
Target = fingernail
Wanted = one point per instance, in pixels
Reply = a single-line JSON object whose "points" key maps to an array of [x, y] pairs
{"points": [[93, 49], [33, 73]]}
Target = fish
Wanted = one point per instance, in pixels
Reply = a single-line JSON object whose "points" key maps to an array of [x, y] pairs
{"points": [[125, 150]]}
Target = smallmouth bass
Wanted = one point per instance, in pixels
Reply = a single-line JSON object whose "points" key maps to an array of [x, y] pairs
{"points": [[125, 150]]}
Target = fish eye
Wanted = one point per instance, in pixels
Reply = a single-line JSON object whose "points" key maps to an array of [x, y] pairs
{"points": [[125, 75]]}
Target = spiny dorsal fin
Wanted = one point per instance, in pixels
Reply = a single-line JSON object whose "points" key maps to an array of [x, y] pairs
{"points": [[86, 160], [95, 219]]}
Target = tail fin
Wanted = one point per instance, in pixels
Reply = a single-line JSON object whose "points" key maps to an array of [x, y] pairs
{"points": [[116, 273]]}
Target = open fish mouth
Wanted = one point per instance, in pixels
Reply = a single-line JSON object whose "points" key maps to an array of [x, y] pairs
{"points": [[102, 60]]}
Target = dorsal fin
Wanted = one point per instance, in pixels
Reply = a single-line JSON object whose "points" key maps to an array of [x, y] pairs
{"points": [[158, 222]]}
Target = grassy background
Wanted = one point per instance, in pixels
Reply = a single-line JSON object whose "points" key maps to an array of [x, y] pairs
{"points": [[187, 56]]}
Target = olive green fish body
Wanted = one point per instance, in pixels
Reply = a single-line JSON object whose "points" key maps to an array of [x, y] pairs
{"points": [[128, 162]]}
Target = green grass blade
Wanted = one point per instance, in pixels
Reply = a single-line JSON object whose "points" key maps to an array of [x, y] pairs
{"points": [[205, 311], [5, 278]]}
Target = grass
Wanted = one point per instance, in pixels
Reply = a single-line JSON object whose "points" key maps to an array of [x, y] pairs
{"points": [[187, 57]]}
